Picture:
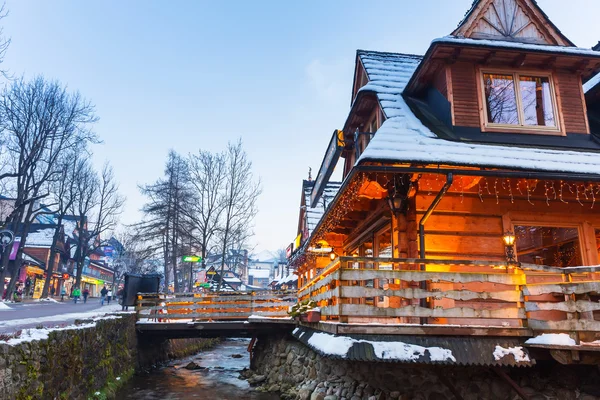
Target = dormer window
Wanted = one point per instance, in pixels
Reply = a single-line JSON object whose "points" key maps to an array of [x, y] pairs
{"points": [[525, 101]]}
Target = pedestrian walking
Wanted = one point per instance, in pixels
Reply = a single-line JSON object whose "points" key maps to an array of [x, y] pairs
{"points": [[103, 294], [76, 294], [109, 295], [52, 291], [63, 293], [86, 293]]}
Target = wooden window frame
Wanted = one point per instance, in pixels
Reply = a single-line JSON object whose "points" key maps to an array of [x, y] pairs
{"points": [[585, 231], [487, 126]]}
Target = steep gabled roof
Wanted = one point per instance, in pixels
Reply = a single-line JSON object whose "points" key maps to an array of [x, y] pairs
{"points": [[403, 137], [313, 215], [512, 20]]}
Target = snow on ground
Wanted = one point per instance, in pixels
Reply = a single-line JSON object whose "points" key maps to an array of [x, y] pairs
{"points": [[329, 344], [560, 339], [29, 335], [61, 317], [517, 352], [4, 307], [49, 300], [339, 345]]}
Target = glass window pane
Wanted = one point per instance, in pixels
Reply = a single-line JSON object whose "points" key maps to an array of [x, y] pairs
{"points": [[537, 101], [501, 101], [543, 245]]}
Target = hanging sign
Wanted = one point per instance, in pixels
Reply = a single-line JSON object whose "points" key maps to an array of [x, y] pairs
{"points": [[332, 155]]}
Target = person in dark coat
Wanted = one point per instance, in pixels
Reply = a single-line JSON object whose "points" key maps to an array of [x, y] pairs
{"points": [[103, 294], [86, 293]]}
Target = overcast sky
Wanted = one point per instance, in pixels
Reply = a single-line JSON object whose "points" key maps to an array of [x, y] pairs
{"points": [[196, 74]]}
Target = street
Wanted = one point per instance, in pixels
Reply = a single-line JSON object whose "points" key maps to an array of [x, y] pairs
{"points": [[15, 316]]}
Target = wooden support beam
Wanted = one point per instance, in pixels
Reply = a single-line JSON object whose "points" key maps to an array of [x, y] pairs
{"points": [[581, 66], [519, 60], [512, 383], [550, 63], [454, 56], [488, 58]]}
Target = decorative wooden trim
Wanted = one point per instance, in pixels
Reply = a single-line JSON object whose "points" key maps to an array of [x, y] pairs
{"points": [[450, 91], [565, 325], [566, 288], [416, 293], [583, 102], [569, 306], [420, 276], [356, 310]]}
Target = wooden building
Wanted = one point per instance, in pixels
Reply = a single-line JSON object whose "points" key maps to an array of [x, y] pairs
{"points": [[471, 181]]}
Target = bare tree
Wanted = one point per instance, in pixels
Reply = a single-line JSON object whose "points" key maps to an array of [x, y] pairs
{"points": [[207, 178], [40, 120], [63, 192], [97, 207], [134, 257], [241, 193]]}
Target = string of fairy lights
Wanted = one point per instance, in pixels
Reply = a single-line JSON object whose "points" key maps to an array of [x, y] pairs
{"points": [[534, 191], [525, 188]]}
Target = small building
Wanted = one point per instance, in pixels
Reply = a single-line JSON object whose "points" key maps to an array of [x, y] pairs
{"points": [[259, 277]]}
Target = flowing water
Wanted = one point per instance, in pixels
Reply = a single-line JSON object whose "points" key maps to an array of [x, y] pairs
{"points": [[218, 378]]}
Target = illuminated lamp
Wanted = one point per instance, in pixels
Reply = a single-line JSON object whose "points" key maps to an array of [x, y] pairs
{"points": [[396, 204], [509, 241], [332, 256]]}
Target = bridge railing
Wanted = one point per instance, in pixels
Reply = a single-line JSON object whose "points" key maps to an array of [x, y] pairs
{"points": [[457, 293], [153, 307]]}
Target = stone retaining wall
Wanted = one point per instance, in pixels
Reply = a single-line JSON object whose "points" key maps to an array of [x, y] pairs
{"points": [[286, 365], [83, 363]]}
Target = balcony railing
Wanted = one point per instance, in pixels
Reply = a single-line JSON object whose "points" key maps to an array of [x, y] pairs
{"points": [[458, 293]]}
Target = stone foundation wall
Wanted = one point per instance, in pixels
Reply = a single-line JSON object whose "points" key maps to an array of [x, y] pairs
{"points": [[78, 363], [286, 365]]}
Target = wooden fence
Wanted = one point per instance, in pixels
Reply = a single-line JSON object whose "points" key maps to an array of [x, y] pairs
{"points": [[152, 307], [363, 290]]}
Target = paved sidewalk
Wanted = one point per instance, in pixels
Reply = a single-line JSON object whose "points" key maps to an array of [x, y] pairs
{"points": [[15, 316]]}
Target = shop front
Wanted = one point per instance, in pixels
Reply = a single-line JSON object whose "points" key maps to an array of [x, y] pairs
{"points": [[32, 279]]}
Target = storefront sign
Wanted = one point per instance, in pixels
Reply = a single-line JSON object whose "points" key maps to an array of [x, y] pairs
{"points": [[334, 150], [65, 276], [289, 250], [15, 248], [191, 259], [297, 242]]}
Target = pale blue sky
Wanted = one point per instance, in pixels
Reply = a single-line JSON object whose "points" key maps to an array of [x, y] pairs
{"points": [[196, 74]]}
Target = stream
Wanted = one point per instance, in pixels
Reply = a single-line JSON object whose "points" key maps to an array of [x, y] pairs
{"points": [[218, 378]]}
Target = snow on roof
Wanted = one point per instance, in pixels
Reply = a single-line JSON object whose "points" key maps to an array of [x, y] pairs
{"points": [[290, 278], [265, 256], [573, 51], [561, 339], [69, 227], [314, 215], [232, 280], [40, 237], [340, 345], [388, 75], [403, 137], [589, 85], [259, 273]]}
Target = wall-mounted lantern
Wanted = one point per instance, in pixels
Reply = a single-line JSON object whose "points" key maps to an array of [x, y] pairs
{"points": [[509, 242], [332, 256]]}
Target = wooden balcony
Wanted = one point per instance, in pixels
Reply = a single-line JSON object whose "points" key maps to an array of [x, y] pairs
{"points": [[421, 296]]}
